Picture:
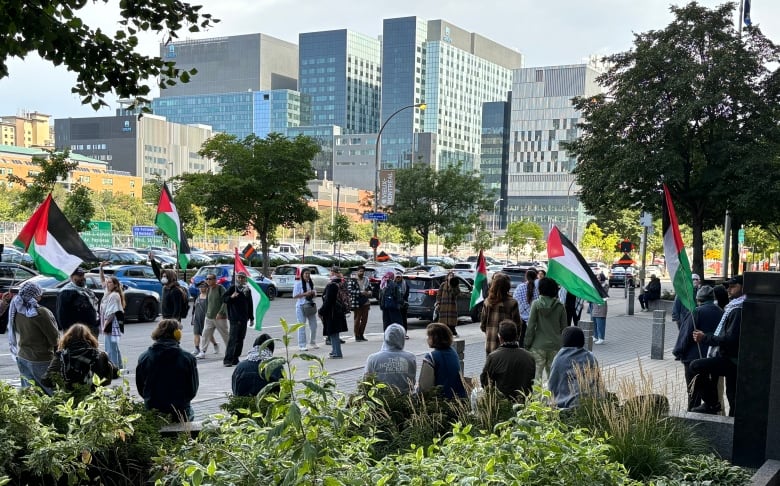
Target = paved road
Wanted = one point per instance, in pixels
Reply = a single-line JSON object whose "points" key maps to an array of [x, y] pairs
{"points": [[625, 353]]}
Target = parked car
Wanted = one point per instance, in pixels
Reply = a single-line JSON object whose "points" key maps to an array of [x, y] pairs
{"points": [[516, 274], [598, 267], [12, 255], [656, 270], [141, 305], [465, 269], [224, 274], [285, 276], [135, 276], [422, 296], [12, 274], [200, 259], [375, 272], [432, 269], [619, 274], [119, 257]]}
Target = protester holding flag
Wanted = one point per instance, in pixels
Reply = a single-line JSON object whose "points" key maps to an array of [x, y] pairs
{"points": [[238, 300], [172, 299], [498, 307], [259, 299], [677, 260], [170, 225]]}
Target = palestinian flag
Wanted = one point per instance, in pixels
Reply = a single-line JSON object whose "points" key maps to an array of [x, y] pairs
{"points": [[55, 246], [259, 299], [480, 290], [567, 267], [676, 259], [168, 221]]}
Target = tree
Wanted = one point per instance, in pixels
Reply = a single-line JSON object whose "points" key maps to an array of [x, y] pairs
{"points": [[340, 232], [52, 169], [443, 201], [688, 106], [103, 62], [599, 245], [79, 208], [262, 184], [519, 233], [483, 241]]}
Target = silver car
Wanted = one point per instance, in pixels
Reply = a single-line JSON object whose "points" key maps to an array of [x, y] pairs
{"points": [[285, 276]]}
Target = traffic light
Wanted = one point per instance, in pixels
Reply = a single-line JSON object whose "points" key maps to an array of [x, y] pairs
{"points": [[626, 246]]}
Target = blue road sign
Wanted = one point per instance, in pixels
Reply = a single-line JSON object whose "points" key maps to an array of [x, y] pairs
{"points": [[375, 216]]}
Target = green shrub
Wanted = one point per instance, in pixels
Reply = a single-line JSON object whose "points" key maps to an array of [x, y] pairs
{"points": [[695, 470]]}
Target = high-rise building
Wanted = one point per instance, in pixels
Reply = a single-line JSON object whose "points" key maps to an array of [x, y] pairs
{"points": [[146, 146], [541, 186], [27, 130], [324, 135], [453, 72], [239, 114], [494, 156], [341, 71], [240, 63]]}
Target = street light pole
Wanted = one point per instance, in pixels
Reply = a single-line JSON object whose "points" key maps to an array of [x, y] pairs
{"points": [[377, 158], [494, 215]]}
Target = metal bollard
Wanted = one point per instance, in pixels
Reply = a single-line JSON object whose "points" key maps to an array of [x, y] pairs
{"points": [[587, 330], [659, 332], [460, 348], [630, 302]]}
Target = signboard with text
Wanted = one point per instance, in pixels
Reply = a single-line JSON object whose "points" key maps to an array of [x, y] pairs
{"points": [[386, 187], [146, 236], [99, 234]]}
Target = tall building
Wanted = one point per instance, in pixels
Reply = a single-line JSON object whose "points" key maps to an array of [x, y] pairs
{"points": [[341, 71], [240, 63], [541, 186], [239, 114], [494, 156], [324, 135], [27, 130], [146, 146], [453, 72]]}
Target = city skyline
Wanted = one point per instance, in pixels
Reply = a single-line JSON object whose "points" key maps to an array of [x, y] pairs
{"points": [[547, 34]]}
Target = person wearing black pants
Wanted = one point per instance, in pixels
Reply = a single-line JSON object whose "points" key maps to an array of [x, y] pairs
{"points": [[403, 291], [238, 300]]}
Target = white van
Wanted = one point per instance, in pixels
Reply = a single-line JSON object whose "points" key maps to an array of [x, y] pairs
{"points": [[287, 249]]}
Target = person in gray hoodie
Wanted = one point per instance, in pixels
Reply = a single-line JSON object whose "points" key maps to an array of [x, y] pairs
{"points": [[546, 322], [392, 365], [569, 367]]}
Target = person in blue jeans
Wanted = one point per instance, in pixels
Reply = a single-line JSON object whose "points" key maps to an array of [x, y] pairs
{"points": [[599, 314], [333, 314], [305, 293]]}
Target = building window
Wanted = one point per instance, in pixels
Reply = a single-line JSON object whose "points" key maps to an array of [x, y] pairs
{"points": [[108, 182], [539, 75]]}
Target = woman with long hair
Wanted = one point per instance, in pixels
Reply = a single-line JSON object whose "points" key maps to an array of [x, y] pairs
{"points": [[498, 306], [447, 302], [526, 293], [77, 359], [305, 293], [172, 299], [441, 367], [111, 315]]}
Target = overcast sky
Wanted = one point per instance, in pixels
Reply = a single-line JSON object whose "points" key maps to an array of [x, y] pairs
{"points": [[547, 32]]}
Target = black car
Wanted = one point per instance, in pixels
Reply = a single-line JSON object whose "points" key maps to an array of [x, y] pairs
{"points": [[375, 272], [12, 274], [516, 274], [141, 305], [423, 289]]}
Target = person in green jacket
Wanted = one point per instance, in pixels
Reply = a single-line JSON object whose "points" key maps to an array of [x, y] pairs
{"points": [[545, 324]]}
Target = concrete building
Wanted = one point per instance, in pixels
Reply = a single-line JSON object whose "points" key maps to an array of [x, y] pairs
{"points": [[147, 147], [540, 186], [453, 72], [324, 135], [94, 174], [341, 71], [27, 129], [234, 64], [339, 198], [240, 114], [494, 157]]}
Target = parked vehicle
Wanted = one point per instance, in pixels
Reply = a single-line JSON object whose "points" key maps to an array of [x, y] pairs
{"points": [[135, 276], [422, 296], [224, 274], [432, 269], [516, 275], [375, 272], [465, 269], [285, 276], [12, 274], [619, 274], [656, 270], [12, 255], [141, 305], [119, 257]]}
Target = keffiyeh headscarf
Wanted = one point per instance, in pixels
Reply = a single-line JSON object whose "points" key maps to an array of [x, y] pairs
{"points": [[258, 354], [386, 278], [25, 302]]}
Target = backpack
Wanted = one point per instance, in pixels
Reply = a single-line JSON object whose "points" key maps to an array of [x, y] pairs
{"points": [[387, 298], [344, 297], [77, 366], [185, 304]]}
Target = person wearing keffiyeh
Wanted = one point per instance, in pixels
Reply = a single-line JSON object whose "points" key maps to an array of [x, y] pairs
{"points": [[32, 335], [248, 378]]}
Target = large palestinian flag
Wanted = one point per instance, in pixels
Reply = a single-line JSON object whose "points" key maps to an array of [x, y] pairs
{"points": [[259, 299], [168, 221], [55, 246], [480, 290], [567, 267], [677, 264]]}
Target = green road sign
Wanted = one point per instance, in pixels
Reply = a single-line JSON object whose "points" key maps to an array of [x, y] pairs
{"points": [[741, 236], [99, 234]]}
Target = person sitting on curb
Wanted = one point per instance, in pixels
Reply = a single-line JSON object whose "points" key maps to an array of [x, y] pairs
{"points": [[510, 368], [652, 293], [392, 365], [248, 377], [573, 363]]}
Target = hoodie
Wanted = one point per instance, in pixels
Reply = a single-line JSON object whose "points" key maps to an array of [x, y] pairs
{"points": [[563, 382], [545, 324], [167, 376], [392, 365]]}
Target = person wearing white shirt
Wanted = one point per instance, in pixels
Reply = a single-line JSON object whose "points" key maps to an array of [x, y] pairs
{"points": [[305, 293]]}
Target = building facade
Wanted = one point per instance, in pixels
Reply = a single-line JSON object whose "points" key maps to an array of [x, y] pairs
{"points": [[324, 135], [91, 173], [234, 64], [31, 129], [494, 156], [341, 71], [453, 72], [540, 184], [147, 147]]}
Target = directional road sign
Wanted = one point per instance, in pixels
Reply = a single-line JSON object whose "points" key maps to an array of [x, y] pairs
{"points": [[375, 216]]}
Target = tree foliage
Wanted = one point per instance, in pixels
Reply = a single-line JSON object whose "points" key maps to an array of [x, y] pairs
{"points": [[688, 106], [340, 231], [428, 201], [79, 208], [104, 62], [52, 169], [521, 233], [262, 184]]}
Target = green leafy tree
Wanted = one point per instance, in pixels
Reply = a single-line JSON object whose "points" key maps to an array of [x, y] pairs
{"points": [[53, 30], [520, 233], [483, 241], [689, 106], [624, 223], [79, 208], [340, 231], [262, 183], [597, 245], [410, 240], [52, 169], [443, 201]]}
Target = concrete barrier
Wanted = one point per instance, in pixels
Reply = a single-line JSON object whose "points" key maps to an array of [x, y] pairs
{"points": [[767, 475]]}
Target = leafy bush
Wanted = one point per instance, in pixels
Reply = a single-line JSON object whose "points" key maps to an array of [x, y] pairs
{"points": [[667, 295], [694, 470]]}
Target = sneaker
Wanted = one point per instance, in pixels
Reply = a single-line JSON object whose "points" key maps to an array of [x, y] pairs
{"points": [[314, 346], [227, 365], [303, 349], [331, 356], [216, 348], [196, 352], [200, 355], [713, 409]]}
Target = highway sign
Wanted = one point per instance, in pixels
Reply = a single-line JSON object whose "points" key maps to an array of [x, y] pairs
{"points": [[375, 216]]}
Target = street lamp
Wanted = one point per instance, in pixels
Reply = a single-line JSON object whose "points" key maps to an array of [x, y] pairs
{"points": [[495, 204], [377, 158]]}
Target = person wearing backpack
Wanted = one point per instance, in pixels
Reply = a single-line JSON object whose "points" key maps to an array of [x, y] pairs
{"points": [[77, 359], [333, 314], [390, 301], [172, 297]]}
